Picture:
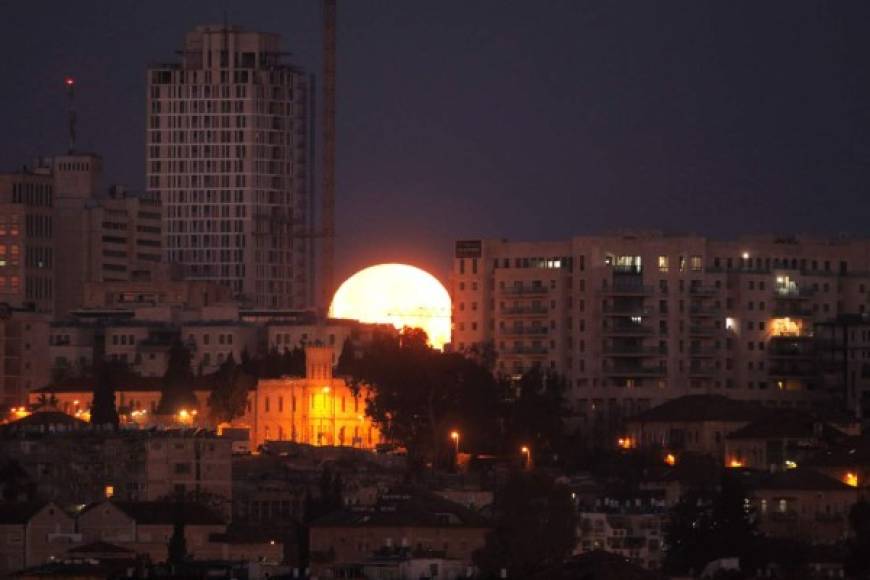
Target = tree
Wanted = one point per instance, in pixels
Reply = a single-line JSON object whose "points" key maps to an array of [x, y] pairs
{"points": [[177, 392], [419, 395], [705, 526], [104, 413], [229, 399], [177, 542], [534, 527], [536, 415]]}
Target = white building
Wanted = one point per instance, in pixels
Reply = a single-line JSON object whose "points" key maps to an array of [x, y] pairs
{"points": [[228, 154]]}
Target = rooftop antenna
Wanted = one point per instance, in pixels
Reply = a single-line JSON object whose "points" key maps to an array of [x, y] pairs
{"points": [[71, 111], [327, 210]]}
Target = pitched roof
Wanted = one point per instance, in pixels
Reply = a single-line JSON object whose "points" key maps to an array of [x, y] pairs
{"points": [[852, 452], [787, 424], [45, 421], [164, 512], [698, 408], [100, 548], [597, 565], [803, 479], [19, 513], [405, 508]]}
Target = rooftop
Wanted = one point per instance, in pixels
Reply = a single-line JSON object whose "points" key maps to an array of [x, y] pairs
{"points": [[699, 408], [803, 479]]}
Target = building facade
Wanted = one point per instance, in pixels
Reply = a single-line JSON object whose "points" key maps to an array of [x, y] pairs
{"points": [[635, 319], [228, 155], [122, 233], [27, 247]]}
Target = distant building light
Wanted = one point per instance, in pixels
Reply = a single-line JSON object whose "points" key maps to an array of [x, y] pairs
{"points": [[109, 491]]}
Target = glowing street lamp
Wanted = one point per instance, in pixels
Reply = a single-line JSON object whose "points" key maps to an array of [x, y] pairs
{"points": [[527, 455], [454, 435]]}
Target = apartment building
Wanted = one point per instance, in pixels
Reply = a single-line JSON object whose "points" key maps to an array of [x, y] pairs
{"points": [[27, 248], [228, 154], [635, 319], [122, 233], [23, 336]]}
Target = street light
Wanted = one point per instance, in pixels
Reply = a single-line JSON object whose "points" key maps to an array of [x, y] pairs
{"points": [[527, 454], [455, 436]]}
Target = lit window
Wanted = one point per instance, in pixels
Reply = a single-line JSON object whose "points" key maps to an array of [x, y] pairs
{"points": [[663, 263]]}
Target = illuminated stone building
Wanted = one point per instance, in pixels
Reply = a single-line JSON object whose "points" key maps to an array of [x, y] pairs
{"points": [[635, 319], [228, 154], [318, 409]]}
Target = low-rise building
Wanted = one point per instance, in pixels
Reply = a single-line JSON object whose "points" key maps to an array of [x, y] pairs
{"points": [[146, 527], [32, 533], [694, 423], [417, 521], [804, 504]]}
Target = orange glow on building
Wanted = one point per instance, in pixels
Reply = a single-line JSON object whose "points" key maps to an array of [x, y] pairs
{"points": [[625, 443], [735, 463], [786, 327], [671, 459], [851, 479], [396, 294]]}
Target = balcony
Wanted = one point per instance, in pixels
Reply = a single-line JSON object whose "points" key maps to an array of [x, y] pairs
{"points": [[704, 331], [524, 290], [524, 331], [702, 371], [705, 311], [627, 329], [627, 288], [699, 352], [794, 293], [791, 309], [535, 311], [698, 290], [634, 351], [791, 347], [526, 350], [795, 370], [629, 371], [620, 310]]}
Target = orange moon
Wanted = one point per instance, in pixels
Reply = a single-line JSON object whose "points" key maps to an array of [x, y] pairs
{"points": [[397, 294]]}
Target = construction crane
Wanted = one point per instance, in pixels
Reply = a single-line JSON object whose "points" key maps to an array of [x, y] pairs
{"points": [[70, 84], [327, 209]]}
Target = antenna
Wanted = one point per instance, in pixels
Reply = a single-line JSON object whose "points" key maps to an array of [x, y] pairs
{"points": [[71, 93], [327, 212]]}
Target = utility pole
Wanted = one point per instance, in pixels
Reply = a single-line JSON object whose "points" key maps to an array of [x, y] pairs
{"points": [[327, 210]]}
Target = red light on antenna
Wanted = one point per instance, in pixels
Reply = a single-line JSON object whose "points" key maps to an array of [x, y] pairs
{"points": [[69, 81]]}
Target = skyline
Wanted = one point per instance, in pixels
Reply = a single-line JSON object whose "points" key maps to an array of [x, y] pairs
{"points": [[702, 122]]}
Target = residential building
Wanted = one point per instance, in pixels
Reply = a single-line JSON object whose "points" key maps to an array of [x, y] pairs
{"points": [[23, 336], [31, 533], [842, 346], [634, 319], [146, 527], [804, 504], [689, 424], [122, 238], [27, 240], [228, 154], [402, 519]]}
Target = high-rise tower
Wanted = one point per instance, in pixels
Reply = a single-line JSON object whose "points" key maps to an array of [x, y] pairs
{"points": [[227, 152]]}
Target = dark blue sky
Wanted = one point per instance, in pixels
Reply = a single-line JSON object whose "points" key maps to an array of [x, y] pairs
{"points": [[507, 118]]}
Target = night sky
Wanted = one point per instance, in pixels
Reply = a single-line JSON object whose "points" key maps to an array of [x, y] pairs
{"points": [[501, 118]]}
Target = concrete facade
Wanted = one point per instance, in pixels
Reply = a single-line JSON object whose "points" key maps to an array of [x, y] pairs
{"points": [[228, 153]]}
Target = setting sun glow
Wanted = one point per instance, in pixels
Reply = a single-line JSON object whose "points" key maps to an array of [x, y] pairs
{"points": [[396, 294]]}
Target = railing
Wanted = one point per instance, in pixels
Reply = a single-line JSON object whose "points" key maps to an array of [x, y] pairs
{"points": [[523, 310], [539, 350], [639, 371], [703, 352], [698, 290], [703, 330], [705, 311], [794, 293], [628, 288], [524, 331], [524, 290], [635, 351], [628, 329], [628, 310]]}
